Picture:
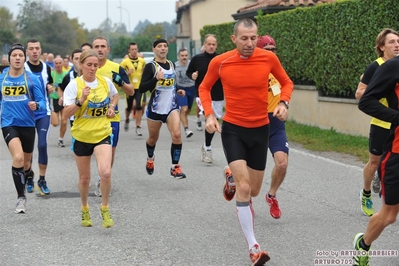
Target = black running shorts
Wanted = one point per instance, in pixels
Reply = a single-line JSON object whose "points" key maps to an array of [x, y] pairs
{"points": [[388, 172], [377, 137], [249, 144]]}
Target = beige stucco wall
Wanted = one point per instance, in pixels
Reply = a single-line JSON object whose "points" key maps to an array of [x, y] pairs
{"points": [[183, 28], [343, 115], [211, 12]]}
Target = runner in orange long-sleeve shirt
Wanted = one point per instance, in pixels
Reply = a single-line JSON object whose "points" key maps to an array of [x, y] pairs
{"points": [[244, 73]]}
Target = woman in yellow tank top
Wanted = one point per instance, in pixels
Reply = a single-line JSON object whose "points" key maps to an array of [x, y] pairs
{"points": [[92, 99]]}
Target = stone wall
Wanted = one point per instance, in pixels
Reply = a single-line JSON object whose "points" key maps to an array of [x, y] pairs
{"points": [[343, 115]]}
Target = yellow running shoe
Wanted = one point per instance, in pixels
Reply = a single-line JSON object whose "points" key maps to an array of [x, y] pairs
{"points": [[86, 220], [107, 220], [367, 204], [362, 257]]}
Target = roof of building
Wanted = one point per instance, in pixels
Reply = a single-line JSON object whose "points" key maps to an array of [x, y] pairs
{"points": [[260, 4]]}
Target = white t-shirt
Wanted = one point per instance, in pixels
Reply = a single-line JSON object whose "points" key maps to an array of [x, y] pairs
{"points": [[71, 90]]}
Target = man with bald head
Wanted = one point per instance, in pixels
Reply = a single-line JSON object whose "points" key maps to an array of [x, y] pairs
{"points": [[50, 60]]}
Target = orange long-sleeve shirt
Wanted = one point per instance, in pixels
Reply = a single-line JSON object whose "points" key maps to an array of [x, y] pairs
{"points": [[245, 86]]}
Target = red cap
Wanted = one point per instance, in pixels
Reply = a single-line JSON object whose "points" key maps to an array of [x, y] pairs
{"points": [[264, 41]]}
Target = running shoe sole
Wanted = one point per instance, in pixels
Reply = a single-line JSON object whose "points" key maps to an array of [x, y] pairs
{"points": [[261, 260], [226, 192]]}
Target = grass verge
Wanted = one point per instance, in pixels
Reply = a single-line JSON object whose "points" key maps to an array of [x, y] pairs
{"points": [[316, 139]]}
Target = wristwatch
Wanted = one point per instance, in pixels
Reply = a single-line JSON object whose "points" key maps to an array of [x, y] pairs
{"points": [[78, 103], [287, 104]]}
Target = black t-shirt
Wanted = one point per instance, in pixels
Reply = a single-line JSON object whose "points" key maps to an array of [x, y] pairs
{"points": [[200, 63], [369, 72]]}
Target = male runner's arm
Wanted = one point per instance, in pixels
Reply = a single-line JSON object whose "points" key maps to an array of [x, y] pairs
{"points": [[204, 91], [49, 86], [127, 87], [148, 80], [191, 69], [382, 85], [365, 79], [38, 93]]}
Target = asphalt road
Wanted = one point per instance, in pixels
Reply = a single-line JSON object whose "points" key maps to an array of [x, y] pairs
{"points": [[161, 221]]}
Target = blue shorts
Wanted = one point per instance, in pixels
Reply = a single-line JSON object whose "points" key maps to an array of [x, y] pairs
{"points": [[277, 138], [157, 117], [115, 133], [188, 99]]}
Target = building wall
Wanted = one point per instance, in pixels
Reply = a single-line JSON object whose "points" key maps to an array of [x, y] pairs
{"points": [[213, 12], [183, 28], [343, 115], [201, 13]]}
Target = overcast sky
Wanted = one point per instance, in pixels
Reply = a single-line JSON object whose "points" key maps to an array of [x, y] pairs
{"points": [[93, 12]]}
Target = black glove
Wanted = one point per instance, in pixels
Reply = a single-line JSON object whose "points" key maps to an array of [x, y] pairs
{"points": [[117, 79]]}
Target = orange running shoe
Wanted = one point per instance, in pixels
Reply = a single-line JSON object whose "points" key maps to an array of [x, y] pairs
{"points": [[177, 173], [150, 166], [258, 256], [229, 188]]}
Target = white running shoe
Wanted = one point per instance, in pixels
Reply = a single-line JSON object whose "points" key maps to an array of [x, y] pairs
{"points": [[189, 133], [138, 131], [206, 155], [21, 205], [199, 125], [376, 184]]}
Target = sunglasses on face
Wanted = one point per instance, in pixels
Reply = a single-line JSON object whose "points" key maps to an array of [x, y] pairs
{"points": [[270, 49]]}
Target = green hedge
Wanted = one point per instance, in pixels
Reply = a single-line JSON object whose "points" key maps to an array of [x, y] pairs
{"points": [[327, 45]]}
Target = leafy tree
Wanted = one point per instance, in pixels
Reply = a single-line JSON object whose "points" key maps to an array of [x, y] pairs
{"points": [[56, 32], [144, 43], [152, 31], [81, 34], [140, 26], [121, 46], [29, 18], [170, 29], [7, 29], [59, 41]]}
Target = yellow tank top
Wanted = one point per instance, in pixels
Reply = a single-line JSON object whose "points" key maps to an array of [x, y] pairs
{"points": [[91, 123], [375, 121], [106, 71], [137, 65]]}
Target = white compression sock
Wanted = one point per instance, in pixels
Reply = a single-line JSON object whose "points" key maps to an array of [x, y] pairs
{"points": [[246, 221]]}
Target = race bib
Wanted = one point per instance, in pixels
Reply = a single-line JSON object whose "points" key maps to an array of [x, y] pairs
{"points": [[276, 89]]}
